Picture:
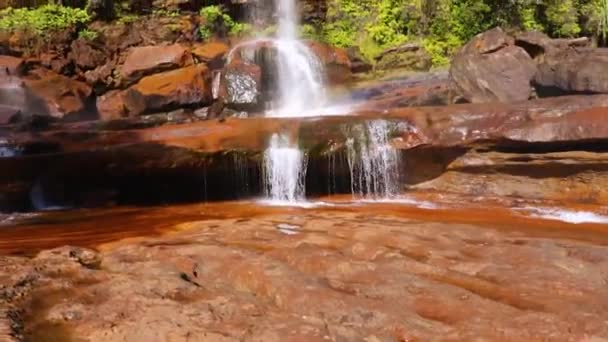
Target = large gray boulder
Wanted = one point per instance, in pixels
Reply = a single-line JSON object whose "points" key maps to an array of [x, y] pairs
{"points": [[491, 68]]}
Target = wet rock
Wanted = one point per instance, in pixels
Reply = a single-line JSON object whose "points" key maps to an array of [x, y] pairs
{"points": [[16, 99], [241, 86], [142, 61], [189, 86], [211, 53], [10, 65], [490, 68], [335, 61], [110, 105], [405, 57], [63, 96], [56, 62]]}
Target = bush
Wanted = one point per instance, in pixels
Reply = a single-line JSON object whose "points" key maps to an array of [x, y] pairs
{"points": [[214, 15], [87, 34], [42, 20]]}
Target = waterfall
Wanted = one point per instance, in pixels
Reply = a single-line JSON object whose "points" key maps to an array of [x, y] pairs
{"points": [[284, 170], [300, 90], [373, 162]]}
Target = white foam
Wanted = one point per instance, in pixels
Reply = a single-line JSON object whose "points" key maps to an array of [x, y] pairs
{"points": [[294, 204], [570, 216]]}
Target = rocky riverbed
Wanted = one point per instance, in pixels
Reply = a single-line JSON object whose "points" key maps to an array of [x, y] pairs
{"points": [[425, 268]]}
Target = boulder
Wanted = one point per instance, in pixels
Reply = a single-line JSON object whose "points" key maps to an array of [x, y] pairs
{"points": [[573, 70], [491, 68], [187, 86], [110, 106], [146, 60], [335, 61], [241, 86], [211, 53], [538, 44], [406, 57], [61, 95]]}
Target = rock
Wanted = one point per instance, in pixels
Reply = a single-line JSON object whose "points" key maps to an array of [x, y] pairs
{"points": [[85, 56], [538, 44], [573, 70], [101, 77], [17, 100], [187, 86], [10, 65], [143, 61], [211, 53], [56, 62], [63, 96], [335, 61], [406, 57], [490, 68], [110, 105], [241, 86]]}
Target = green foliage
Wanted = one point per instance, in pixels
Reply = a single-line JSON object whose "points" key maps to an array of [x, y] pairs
{"points": [[562, 16], [161, 12], [87, 34], [214, 15], [42, 20], [126, 19]]}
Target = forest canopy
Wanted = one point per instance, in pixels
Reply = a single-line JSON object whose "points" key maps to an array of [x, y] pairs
{"points": [[441, 26]]}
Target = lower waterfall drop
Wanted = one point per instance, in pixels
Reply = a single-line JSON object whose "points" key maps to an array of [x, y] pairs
{"points": [[373, 162], [284, 170]]}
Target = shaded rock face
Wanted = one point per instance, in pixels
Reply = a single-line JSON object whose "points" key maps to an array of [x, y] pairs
{"points": [[490, 68], [407, 57], [142, 61], [189, 86]]}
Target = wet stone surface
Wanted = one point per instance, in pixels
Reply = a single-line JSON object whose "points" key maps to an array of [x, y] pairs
{"points": [[362, 273]]}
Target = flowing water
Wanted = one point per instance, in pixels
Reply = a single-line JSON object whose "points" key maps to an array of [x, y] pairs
{"points": [[373, 162], [300, 85], [284, 170]]}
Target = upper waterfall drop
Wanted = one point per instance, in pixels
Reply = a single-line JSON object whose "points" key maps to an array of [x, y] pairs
{"points": [[300, 85]]}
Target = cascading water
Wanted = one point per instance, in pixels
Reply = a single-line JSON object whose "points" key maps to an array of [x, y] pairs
{"points": [[300, 89], [373, 162], [284, 170]]}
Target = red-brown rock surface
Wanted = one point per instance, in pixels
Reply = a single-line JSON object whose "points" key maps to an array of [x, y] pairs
{"points": [[373, 273], [211, 53], [62, 96], [176, 88], [146, 60]]}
